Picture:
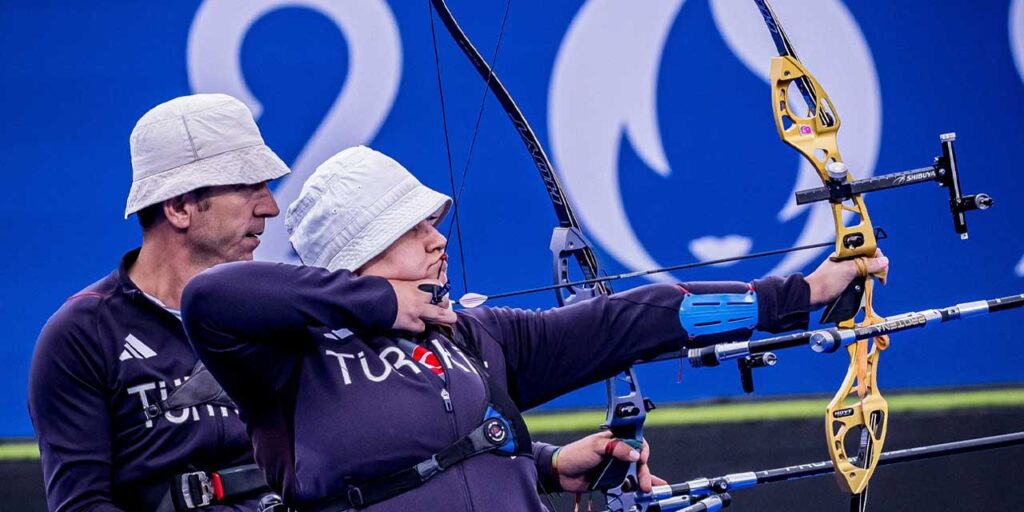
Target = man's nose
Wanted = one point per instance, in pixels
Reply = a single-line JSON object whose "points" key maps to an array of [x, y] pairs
{"points": [[266, 205]]}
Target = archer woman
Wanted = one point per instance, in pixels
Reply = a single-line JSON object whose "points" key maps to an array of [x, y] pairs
{"points": [[359, 393]]}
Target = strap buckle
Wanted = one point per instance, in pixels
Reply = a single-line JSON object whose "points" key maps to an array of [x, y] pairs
{"points": [[428, 468], [196, 489]]}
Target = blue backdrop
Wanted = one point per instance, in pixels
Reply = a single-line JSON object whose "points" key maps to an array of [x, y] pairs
{"points": [[656, 115]]}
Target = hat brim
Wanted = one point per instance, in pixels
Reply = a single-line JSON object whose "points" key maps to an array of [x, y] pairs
{"points": [[246, 166], [387, 227]]}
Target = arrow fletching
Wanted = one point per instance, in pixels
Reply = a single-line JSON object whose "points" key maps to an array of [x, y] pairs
{"points": [[471, 300]]}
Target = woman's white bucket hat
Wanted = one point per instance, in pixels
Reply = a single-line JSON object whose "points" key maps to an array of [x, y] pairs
{"points": [[354, 206]]}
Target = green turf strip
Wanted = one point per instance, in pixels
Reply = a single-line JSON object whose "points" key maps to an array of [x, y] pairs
{"points": [[734, 412], [19, 451]]}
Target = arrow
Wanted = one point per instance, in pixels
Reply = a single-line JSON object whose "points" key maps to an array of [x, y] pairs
{"points": [[471, 299]]}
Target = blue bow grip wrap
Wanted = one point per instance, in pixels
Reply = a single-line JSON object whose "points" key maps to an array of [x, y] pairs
{"points": [[716, 313]]}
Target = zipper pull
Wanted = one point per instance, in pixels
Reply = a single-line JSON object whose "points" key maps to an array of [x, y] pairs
{"points": [[447, 400]]}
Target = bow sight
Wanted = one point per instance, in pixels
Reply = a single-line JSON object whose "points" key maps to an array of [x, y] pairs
{"points": [[838, 189], [944, 171]]}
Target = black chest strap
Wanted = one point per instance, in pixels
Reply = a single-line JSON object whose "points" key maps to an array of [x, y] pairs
{"points": [[199, 389], [502, 432], [489, 436]]}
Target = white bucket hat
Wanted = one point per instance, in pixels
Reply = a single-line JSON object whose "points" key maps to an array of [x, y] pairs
{"points": [[354, 206], [197, 141]]}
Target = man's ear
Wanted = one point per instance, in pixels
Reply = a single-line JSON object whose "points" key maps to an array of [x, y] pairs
{"points": [[179, 209]]}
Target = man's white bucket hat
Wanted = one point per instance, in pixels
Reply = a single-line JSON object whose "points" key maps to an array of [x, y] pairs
{"points": [[354, 206], [197, 141]]}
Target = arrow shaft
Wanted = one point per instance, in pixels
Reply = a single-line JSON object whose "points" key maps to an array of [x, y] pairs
{"points": [[880, 234]]}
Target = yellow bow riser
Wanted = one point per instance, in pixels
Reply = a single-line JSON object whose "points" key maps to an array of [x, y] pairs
{"points": [[858, 411], [858, 407], [814, 136]]}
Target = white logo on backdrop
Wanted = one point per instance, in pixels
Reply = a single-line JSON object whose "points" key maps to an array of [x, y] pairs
{"points": [[1017, 34], [1017, 47], [604, 90], [375, 64]]}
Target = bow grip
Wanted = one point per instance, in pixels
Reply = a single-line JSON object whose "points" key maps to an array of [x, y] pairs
{"points": [[611, 472], [847, 304], [625, 420]]}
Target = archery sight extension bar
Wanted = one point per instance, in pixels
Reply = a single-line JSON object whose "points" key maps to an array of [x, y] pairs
{"points": [[944, 171]]}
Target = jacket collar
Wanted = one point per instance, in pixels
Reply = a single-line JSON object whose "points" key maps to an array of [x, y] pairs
{"points": [[124, 281]]}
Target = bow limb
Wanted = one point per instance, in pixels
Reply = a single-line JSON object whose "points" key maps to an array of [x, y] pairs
{"points": [[858, 406], [626, 411]]}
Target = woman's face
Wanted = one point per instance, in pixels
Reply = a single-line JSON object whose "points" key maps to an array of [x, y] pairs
{"points": [[417, 255]]}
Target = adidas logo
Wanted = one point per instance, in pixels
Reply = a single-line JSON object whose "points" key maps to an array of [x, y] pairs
{"points": [[339, 334], [134, 348]]}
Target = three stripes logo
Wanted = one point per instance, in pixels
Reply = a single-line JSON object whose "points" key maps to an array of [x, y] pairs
{"points": [[134, 348]]}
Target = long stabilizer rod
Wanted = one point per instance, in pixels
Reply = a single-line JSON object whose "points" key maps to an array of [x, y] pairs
{"points": [[688, 492]]}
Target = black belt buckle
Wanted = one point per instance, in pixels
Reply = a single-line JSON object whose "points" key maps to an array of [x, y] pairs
{"points": [[196, 490]]}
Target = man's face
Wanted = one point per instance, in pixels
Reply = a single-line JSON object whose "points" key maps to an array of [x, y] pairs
{"points": [[228, 221], [417, 255]]}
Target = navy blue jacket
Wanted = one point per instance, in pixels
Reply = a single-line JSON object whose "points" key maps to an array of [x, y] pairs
{"points": [[328, 394], [101, 358]]}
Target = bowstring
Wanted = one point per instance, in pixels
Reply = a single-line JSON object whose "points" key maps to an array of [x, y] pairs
{"points": [[483, 99], [457, 196], [448, 149]]}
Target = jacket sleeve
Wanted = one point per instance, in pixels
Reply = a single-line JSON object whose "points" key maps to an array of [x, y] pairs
{"points": [[549, 353], [67, 401], [543, 457], [249, 321], [784, 303]]}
